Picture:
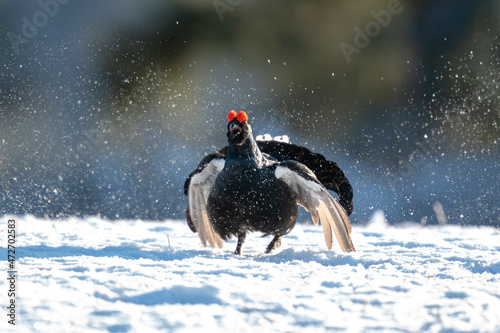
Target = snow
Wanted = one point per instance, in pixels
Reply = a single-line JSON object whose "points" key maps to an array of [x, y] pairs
{"points": [[91, 275]]}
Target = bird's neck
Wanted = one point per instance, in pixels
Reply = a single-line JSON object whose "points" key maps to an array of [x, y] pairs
{"points": [[247, 150]]}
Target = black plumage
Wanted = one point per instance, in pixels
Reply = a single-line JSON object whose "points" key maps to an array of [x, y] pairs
{"points": [[256, 186]]}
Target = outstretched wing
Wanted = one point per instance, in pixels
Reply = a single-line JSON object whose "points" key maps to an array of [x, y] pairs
{"points": [[327, 172], [316, 199], [198, 186]]}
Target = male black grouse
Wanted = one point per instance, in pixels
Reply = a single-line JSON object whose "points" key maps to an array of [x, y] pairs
{"points": [[256, 186]]}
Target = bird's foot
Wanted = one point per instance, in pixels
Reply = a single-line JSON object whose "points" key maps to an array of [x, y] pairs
{"points": [[241, 240], [274, 243]]}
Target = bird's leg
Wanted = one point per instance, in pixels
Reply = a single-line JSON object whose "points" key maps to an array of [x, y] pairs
{"points": [[276, 241], [241, 240]]}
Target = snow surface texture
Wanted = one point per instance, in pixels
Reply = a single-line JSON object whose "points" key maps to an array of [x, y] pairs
{"points": [[89, 275]]}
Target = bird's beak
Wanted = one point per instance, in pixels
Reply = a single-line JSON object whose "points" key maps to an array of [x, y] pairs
{"points": [[235, 130]]}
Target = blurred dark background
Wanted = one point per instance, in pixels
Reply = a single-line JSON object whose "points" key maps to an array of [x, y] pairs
{"points": [[106, 106]]}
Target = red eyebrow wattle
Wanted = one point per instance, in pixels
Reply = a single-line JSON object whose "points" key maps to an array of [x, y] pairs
{"points": [[231, 115], [242, 116]]}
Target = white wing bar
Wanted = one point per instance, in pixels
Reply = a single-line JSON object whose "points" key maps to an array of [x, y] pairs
{"points": [[319, 202], [199, 189]]}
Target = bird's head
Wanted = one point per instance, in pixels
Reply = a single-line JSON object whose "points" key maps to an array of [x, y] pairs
{"points": [[238, 129]]}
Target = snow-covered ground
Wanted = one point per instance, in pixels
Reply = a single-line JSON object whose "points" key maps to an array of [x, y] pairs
{"points": [[90, 275]]}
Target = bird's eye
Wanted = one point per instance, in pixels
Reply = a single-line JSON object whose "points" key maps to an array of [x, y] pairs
{"points": [[231, 115]]}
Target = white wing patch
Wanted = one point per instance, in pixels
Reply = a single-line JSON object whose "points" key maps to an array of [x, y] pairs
{"points": [[282, 138], [268, 137], [263, 137], [319, 202], [199, 189]]}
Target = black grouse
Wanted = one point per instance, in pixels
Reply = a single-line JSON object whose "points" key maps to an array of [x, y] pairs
{"points": [[256, 185]]}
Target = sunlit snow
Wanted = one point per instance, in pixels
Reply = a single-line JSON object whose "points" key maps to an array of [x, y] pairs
{"points": [[91, 275]]}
